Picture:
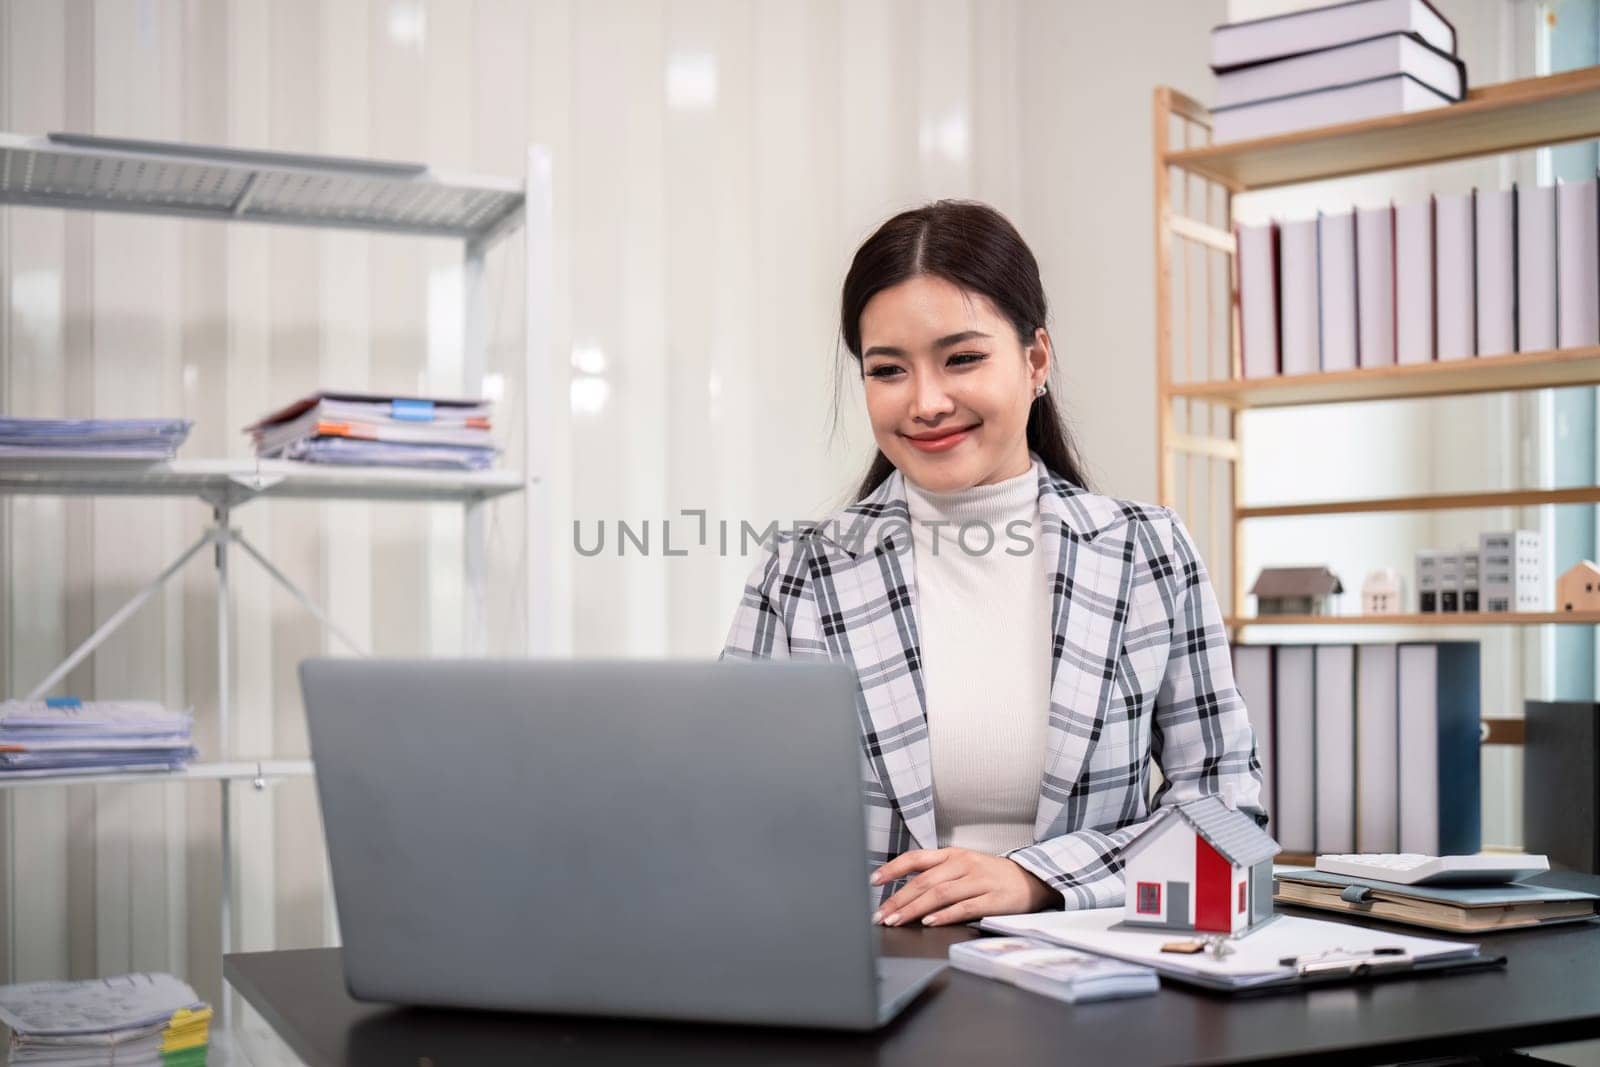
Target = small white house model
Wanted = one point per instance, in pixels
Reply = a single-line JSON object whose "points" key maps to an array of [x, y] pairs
{"points": [[1199, 866], [1381, 593]]}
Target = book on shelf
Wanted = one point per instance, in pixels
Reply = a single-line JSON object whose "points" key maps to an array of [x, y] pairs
{"points": [[1414, 304], [1438, 693], [1345, 64], [1258, 299], [1455, 277], [1578, 263], [1300, 324], [1377, 765], [1396, 95], [1294, 718], [1536, 268], [1254, 41], [1495, 283], [1253, 677], [1334, 712], [1336, 289], [1366, 747], [1375, 286]]}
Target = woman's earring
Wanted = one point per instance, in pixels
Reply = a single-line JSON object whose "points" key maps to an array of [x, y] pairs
{"points": [[1044, 387]]}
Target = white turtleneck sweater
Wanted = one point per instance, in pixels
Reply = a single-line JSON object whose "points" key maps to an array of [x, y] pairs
{"points": [[984, 618]]}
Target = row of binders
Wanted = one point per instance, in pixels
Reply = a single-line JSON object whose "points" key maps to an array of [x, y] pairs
{"points": [[1485, 273], [100, 439], [1334, 64], [1367, 748], [68, 736], [131, 1020]]}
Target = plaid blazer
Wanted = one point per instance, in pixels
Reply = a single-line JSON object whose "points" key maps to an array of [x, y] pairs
{"points": [[1139, 669]]}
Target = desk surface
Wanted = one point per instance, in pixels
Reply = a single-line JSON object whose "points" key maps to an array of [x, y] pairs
{"points": [[1548, 992]]}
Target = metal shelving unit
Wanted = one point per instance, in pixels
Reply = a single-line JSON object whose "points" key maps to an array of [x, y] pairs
{"points": [[87, 173]]}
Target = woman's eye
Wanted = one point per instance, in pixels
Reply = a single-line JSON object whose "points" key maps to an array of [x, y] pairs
{"points": [[965, 358], [883, 372]]}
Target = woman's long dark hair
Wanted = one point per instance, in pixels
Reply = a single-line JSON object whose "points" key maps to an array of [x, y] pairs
{"points": [[976, 248]]}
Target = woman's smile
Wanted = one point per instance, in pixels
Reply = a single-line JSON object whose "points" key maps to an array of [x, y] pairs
{"points": [[941, 440]]}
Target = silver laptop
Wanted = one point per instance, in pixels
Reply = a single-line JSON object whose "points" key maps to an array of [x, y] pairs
{"points": [[655, 839]]}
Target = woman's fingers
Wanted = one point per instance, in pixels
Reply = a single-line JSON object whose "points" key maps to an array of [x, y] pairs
{"points": [[930, 897], [962, 911], [918, 859]]}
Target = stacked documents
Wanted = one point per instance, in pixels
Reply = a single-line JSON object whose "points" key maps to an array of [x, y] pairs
{"points": [[1282, 952], [151, 439], [1052, 971], [135, 1020], [67, 736], [365, 429]]}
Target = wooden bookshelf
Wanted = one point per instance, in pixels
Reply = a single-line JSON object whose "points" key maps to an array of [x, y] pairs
{"points": [[1531, 113], [1481, 374], [1432, 618], [1200, 388], [1201, 391], [1508, 498]]}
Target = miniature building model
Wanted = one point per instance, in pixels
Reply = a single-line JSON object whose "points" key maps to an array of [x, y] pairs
{"points": [[1511, 564], [1295, 591], [1381, 593], [1579, 588], [1199, 866]]}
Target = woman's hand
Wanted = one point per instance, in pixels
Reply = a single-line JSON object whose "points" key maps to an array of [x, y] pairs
{"points": [[957, 885]]}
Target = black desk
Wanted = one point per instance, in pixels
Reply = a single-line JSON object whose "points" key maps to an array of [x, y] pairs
{"points": [[1548, 992]]}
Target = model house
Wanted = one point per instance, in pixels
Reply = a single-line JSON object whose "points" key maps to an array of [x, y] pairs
{"points": [[1382, 593], [1579, 588], [1199, 866], [1296, 591]]}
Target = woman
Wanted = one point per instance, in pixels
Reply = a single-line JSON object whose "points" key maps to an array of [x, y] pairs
{"points": [[1026, 649]]}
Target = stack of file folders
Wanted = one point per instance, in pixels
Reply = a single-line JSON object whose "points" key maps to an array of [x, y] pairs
{"points": [[1051, 970], [145, 439], [1341, 63], [1459, 909], [66, 736], [134, 1020], [365, 429]]}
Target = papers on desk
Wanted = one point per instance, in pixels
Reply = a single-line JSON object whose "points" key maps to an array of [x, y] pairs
{"points": [[66, 736], [1256, 960], [133, 439], [1052, 971], [131, 1021], [368, 429]]}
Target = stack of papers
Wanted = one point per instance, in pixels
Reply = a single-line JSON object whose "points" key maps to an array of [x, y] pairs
{"points": [[366, 429], [1052, 971], [1270, 954], [144, 439], [66, 736], [136, 1020]]}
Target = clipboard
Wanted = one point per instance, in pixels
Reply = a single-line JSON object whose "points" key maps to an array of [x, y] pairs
{"points": [[1285, 953], [1314, 975]]}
